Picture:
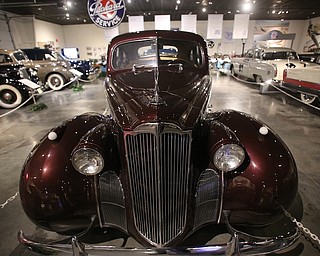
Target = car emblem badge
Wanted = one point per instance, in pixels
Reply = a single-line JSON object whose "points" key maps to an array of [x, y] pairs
{"points": [[106, 13]]}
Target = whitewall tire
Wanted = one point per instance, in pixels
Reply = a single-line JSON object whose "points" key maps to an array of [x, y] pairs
{"points": [[10, 97], [56, 81]]}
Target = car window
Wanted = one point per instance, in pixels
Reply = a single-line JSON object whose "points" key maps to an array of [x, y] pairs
{"points": [[5, 58], [151, 53], [134, 53], [19, 56], [48, 56], [280, 55]]}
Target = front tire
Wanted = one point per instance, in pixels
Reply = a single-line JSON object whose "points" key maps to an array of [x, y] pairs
{"points": [[56, 81], [233, 73], [258, 79], [307, 98], [10, 97]]}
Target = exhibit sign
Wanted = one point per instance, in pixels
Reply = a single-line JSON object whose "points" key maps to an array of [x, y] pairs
{"points": [[106, 14]]}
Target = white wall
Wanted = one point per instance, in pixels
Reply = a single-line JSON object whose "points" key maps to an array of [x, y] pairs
{"points": [[92, 41], [16, 31], [46, 32]]}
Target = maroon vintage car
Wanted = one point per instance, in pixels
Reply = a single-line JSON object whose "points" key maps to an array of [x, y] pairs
{"points": [[160, 167]]}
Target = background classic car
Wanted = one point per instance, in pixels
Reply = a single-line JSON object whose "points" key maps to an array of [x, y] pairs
{"points": [[305, 81], [266, 63], [159, 167], [52, 73], [13, 88], [83, 66]]}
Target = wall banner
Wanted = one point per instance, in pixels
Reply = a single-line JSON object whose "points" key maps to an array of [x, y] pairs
{"points": [[162, 22], [241, 26], [189, 23], [136, 23], [106, 13], [214, 29]]}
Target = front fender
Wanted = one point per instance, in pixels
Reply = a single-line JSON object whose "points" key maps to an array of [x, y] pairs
{"points": [[51, 190], [269, 179]]}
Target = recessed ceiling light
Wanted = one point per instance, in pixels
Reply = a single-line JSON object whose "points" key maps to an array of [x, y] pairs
{"points": [[246, 7], [273, 11], [69, 4], [204, 9], [178, 2]]}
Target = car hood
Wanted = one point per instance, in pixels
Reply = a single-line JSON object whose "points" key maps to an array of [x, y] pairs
{"points": [[179, 97]]}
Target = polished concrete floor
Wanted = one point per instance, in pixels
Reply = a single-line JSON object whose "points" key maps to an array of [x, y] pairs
{"points": [[298, 125]]}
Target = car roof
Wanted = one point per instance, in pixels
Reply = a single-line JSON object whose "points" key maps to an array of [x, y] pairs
{"points": [[168, 34], [277, 49], [7, 51]]}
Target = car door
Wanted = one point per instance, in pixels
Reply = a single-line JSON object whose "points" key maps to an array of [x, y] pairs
{"points": [[247, 64]]}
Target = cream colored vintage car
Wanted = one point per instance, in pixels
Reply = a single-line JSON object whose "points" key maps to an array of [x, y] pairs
{"points": [[265, 63], [305, 82]]}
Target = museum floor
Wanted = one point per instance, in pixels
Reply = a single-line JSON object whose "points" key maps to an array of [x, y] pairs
{"points": [[298, 125]]}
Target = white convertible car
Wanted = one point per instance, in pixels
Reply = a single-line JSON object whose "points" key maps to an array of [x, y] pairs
{"points": [[265, 63]]}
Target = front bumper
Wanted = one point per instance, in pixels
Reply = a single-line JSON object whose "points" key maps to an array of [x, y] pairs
{"points": [[239, 244]]}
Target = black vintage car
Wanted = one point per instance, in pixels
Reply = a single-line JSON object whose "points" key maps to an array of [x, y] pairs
{"points": [[159, 167], [13, 89]]}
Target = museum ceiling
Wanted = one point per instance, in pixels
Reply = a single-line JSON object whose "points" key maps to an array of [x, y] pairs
{"points": [[70, 12]]}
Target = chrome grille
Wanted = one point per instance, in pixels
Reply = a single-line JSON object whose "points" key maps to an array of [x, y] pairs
{"points": [[159, 163]]}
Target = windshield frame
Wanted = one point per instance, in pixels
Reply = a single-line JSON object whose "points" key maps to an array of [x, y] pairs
{"points": [[194, 52]]}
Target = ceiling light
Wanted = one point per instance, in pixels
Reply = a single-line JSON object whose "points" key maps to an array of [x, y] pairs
{"points": [[210, 3], [67, 14], [84, 20], [229, 12], [246, 7], [204, 9], [69, 4], [273, 11], [237, 11], [129, 1], [178, 2], [176, 8]]}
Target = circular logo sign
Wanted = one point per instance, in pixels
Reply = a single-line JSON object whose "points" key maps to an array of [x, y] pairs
{"points": [[106, 13]]}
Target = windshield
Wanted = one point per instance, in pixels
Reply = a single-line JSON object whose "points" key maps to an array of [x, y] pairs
{"points": [[20, 56], [280, 55], [149, 53]]}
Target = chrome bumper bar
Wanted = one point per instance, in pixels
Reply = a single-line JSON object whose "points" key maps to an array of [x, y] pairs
{"points": [[239, 244]]}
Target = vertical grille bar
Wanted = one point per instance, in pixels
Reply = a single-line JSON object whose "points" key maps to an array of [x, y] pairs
{"points": [[159, 164]]}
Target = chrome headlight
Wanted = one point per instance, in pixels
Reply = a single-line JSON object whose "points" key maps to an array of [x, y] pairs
{"points": [[228, 157], [33, 72], [87, 161]]}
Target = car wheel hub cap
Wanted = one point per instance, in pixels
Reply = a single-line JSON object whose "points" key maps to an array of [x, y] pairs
{"points": [[7, 96]]}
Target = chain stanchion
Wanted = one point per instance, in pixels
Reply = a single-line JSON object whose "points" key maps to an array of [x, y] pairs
{"points": [[9, 200], [277, 88], [33, 95], [91, 80], [305, 231]]}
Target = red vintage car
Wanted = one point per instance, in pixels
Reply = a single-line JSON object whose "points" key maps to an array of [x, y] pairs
{"points": [[160, 167]]}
